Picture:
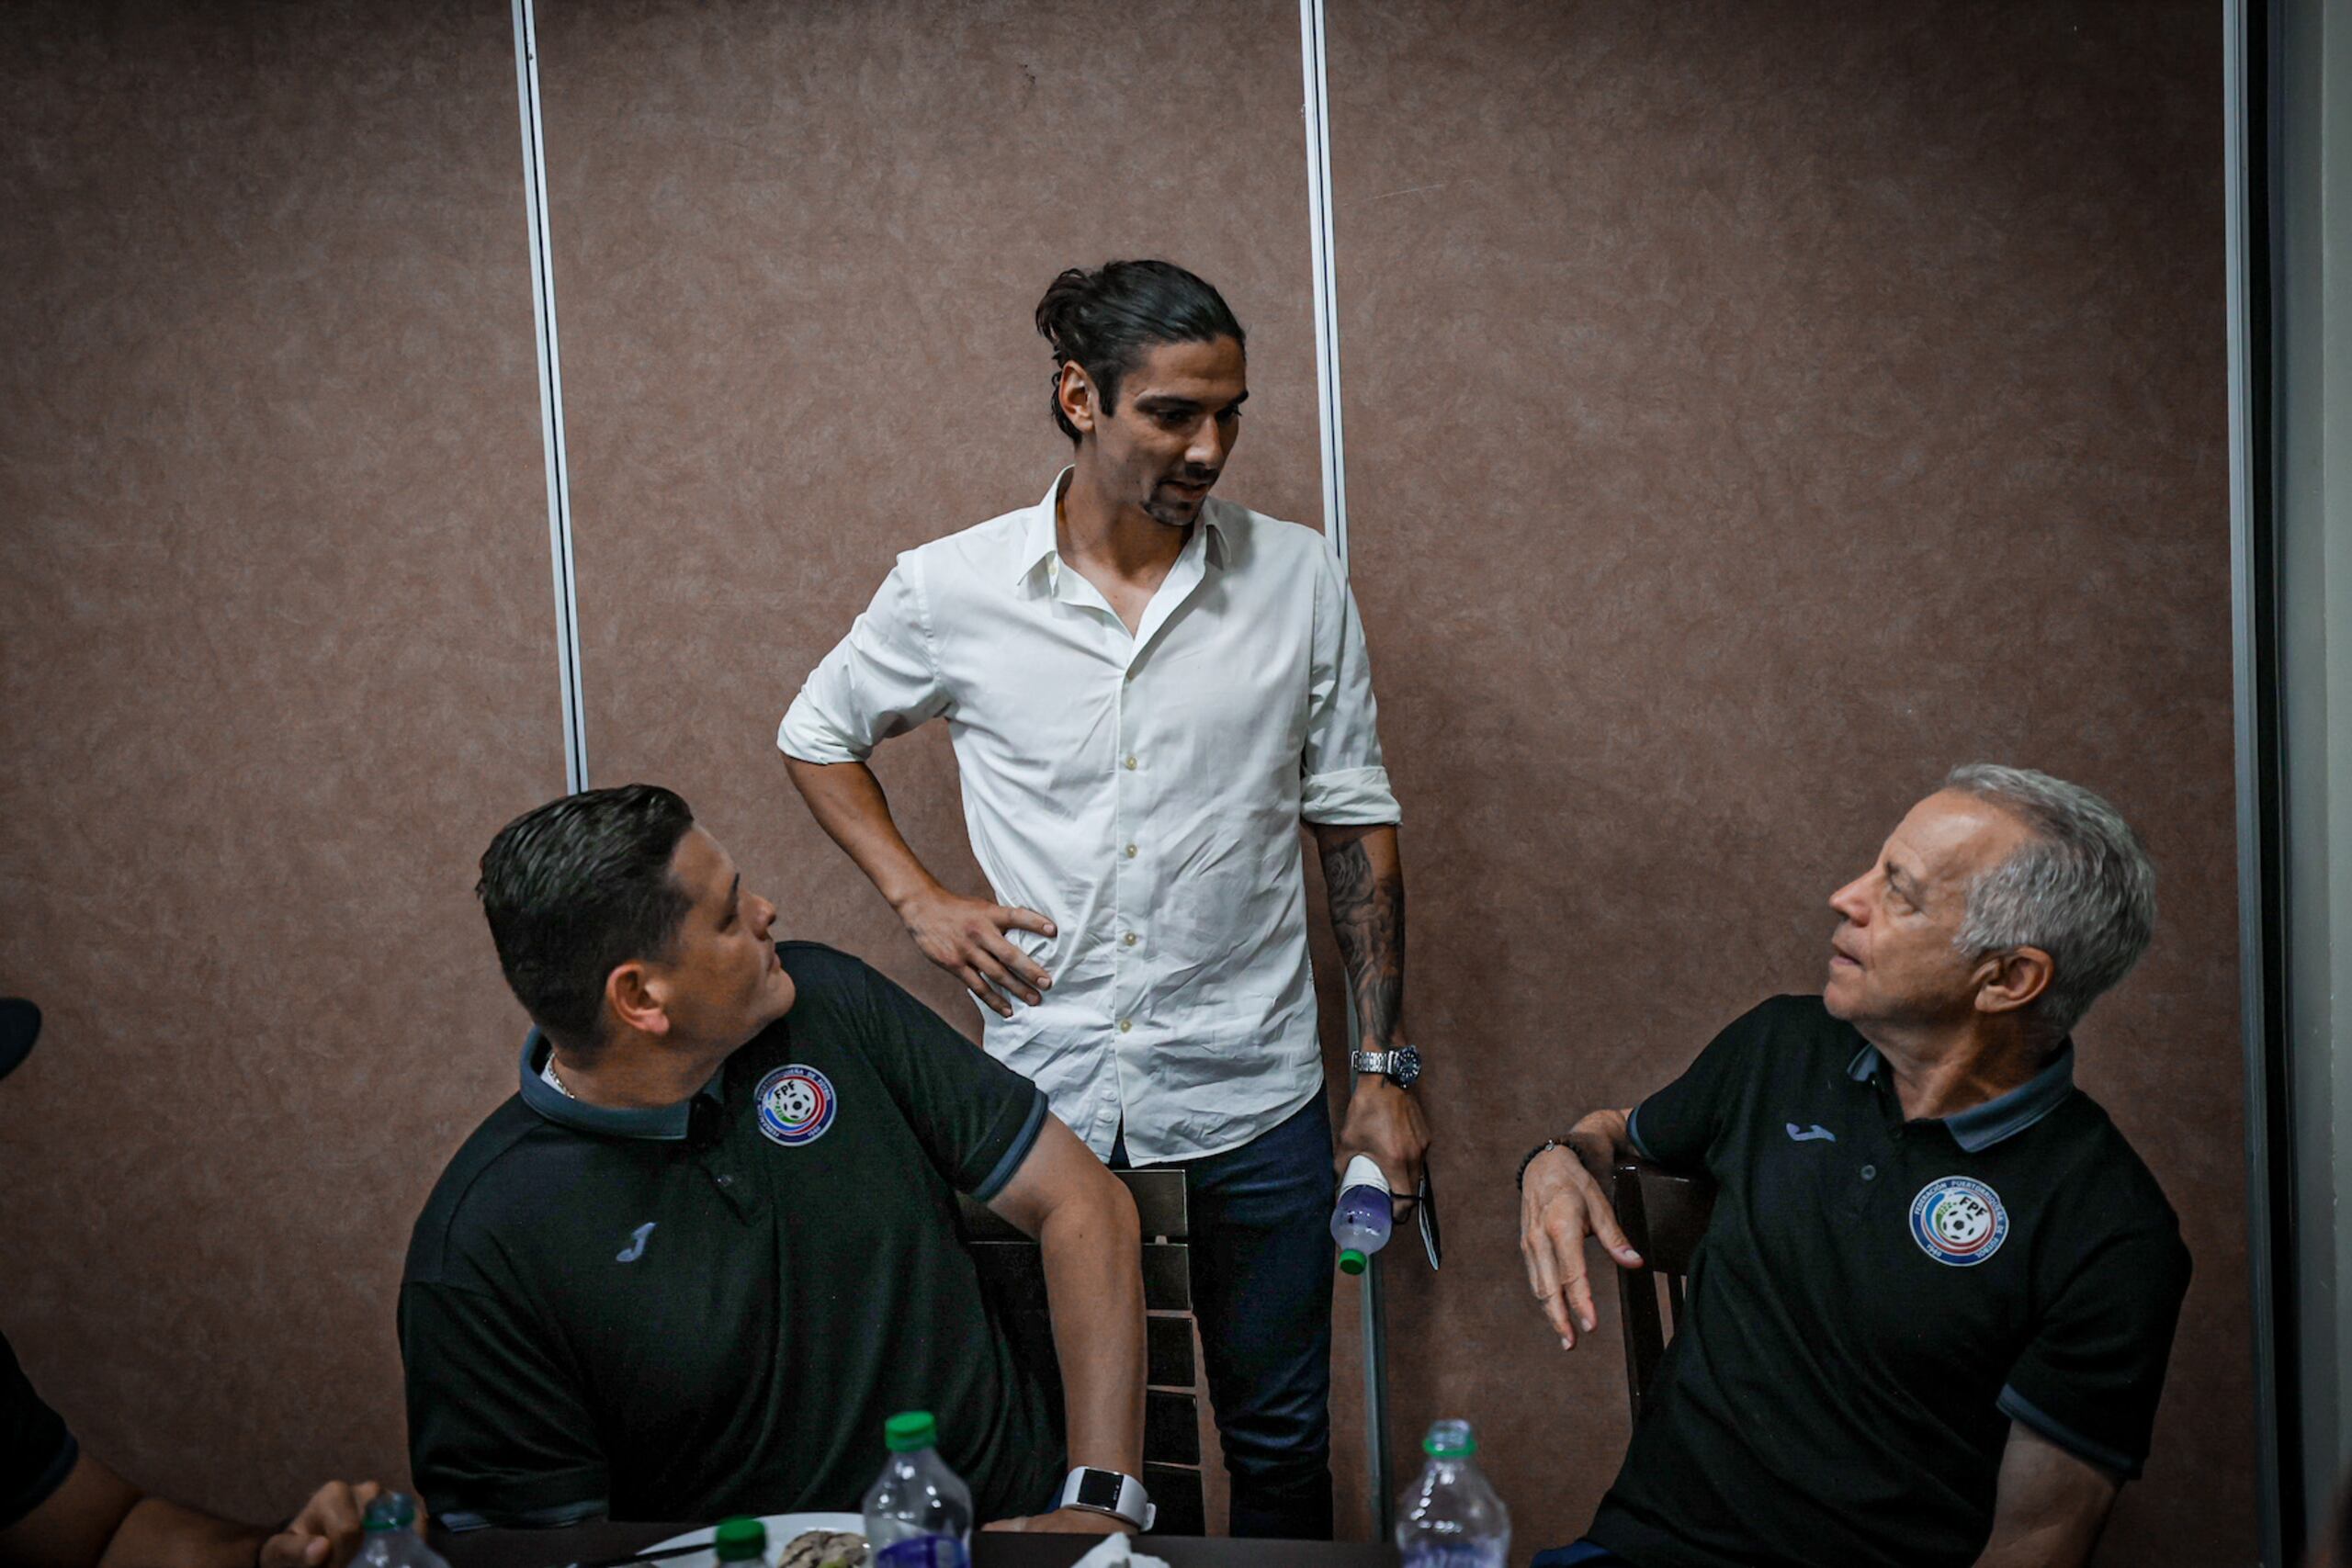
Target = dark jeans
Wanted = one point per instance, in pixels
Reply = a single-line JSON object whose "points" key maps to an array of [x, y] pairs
{"points": [[1261, 1259]]}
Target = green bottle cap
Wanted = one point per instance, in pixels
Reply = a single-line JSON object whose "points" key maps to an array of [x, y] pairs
{"points": [[910, 1430], [739, 1540], [389, 1511], [1450, 1440], [1352, 1261]]}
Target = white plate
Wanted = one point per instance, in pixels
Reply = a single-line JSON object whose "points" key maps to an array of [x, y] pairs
{"points": [[782, 1528]]}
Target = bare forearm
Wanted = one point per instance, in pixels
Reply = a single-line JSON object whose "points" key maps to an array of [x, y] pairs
{"points": [[1095, 1293], [2058, 1546], [2049, 1506], [161, 1534], [1363, 874], [849, 804]]}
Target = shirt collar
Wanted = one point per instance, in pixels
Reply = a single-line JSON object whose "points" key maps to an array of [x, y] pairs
{"points": [[1979, 1127], [661, 1123], [1041, 545]]}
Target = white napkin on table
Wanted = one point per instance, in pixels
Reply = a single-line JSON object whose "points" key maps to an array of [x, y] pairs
{"points": [[1118, 1549]]}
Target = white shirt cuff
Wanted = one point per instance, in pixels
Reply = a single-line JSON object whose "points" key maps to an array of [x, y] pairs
{"points": [[804, 734], [1355, 797]]}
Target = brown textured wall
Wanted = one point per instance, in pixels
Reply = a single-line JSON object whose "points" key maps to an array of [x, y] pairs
{"points": [[274, 659], [798, 252], [1753, 411]]}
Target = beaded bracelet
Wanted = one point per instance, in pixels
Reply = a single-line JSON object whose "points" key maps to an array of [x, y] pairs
{"points": [[1547, 1146]]}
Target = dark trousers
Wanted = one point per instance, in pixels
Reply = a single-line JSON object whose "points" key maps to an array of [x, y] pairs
{"points": [[1260, 1248]]}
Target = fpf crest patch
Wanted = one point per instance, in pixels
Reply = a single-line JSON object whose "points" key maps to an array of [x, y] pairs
{"points": [[1959, 1221], [797, 1105]]}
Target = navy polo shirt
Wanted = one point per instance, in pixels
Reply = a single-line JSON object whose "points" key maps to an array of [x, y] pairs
{"points": [[710, 1308], [37, 1451], [1876, 1299]]}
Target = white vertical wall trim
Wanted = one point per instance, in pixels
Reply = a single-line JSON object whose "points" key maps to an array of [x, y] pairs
{"points": [[535, 196], [1326, 308], [1312, 70]]}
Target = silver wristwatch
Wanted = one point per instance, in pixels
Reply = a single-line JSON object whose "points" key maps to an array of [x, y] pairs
{"points": [[1401, 1067]]}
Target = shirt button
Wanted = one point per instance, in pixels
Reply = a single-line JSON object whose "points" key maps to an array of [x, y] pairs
{"points": [[725, 1181], [1131, 851], [1129, 939], [1131, 763], [1126, 1024], [1870, 1173]]}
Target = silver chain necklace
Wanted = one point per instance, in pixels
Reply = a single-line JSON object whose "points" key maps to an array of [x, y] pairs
{"points": [[556, 1079]]}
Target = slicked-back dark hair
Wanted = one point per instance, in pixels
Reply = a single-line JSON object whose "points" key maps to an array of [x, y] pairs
{"points": [[576, 888], [1104, 320]]}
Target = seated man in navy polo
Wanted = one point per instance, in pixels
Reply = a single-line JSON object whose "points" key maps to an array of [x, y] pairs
{"points": [[1928, 1324], [711, 1246]]}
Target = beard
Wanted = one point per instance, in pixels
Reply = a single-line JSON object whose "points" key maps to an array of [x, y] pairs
{"points": [[1175, 511]]}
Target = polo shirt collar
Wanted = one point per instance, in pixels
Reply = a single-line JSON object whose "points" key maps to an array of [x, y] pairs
{"points": [[667, 1123], [1981, 1126], [1040, 545]]}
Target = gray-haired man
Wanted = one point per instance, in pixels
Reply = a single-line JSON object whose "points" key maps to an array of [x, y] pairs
{"points": [[1929, 1320]]}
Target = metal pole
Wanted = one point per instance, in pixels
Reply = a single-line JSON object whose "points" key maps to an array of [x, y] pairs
{"points": [[2253, 608], [1326, 309], [1335, 529], [558, 471]]}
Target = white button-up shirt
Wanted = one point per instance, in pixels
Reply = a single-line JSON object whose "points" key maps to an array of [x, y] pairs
{"points": [[1143, 791]]}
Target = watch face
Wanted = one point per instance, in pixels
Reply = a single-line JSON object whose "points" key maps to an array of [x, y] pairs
{"points": [[1408, 1068], [1099, 1489]]}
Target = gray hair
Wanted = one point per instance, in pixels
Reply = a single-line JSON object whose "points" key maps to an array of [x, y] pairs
{"points": [[2081, 889]]}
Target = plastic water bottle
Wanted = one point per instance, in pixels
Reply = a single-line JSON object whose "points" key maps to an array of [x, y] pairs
{"points": [[918, 1512], [1453, 1519], [388, 1534], [1359, 1224]]}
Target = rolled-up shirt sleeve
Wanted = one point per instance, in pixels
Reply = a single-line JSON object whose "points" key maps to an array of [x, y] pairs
{"points": [[879, 681], [1343, 782]]}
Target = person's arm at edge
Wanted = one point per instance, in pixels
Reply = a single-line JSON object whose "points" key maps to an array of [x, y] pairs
{"points": [[1363, 877], [97, 1520], [1085, 1224], [1564, 1199], [2049, 1506], [964, 936]]}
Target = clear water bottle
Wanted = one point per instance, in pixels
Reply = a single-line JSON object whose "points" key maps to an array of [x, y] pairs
{"points": [[388, 1534], [918, 1512], [1359, 1224], [1453, 1519]]}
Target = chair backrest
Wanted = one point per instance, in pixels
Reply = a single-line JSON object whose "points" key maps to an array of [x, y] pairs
{"points": [[1663, 1216], [1012, 1275]]}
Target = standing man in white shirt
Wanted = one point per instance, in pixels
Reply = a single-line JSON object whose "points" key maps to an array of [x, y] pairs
{"points": [[1148, 691]]}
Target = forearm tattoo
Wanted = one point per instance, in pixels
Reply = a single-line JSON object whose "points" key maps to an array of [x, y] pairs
{"points": [[1368, 917]]}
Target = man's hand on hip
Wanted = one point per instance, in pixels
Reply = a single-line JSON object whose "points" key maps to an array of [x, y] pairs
{"points": [[1384, 1122], [966, 937]]}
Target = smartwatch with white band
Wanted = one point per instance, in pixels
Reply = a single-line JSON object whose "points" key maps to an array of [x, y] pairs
{"points": [[1108, 1492]]}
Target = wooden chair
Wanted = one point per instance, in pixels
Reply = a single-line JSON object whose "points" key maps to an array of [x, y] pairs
{"points": [[1663, 1216], [1012, 1275]]}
